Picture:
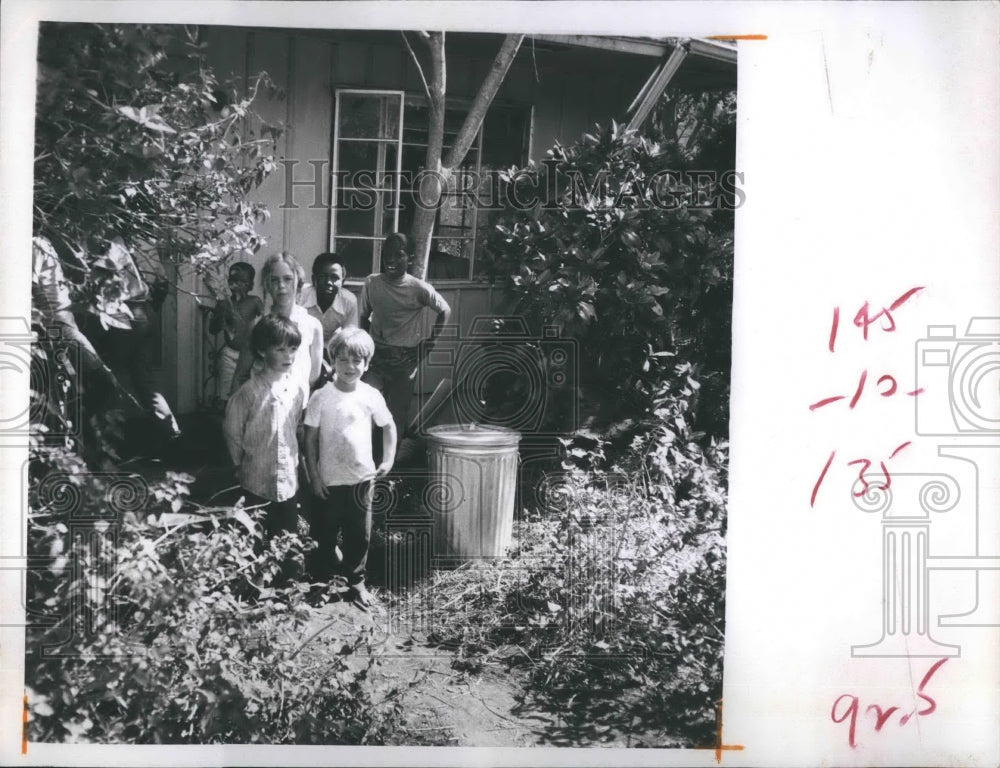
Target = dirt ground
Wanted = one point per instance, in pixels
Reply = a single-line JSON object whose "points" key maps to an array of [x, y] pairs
{"points": [[446, 706], [449, 706]]}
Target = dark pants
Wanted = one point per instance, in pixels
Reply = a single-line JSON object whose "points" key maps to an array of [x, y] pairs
{"points": [[347, 509], [282, 516], [392, 372]]}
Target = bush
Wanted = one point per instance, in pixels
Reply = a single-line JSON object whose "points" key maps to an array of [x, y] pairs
{"points": [[614, 601], [177, 628], [136, 138], [626, 276]]}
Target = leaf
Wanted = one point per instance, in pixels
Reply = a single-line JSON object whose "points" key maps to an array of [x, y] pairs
{"points": [[241, 516], [554, 607]]}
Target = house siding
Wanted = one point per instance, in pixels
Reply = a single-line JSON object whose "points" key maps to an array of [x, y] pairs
{"points": [[309, 65]]}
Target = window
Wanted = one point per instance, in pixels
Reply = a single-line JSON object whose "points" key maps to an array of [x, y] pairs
{"points": [[380, 143]]}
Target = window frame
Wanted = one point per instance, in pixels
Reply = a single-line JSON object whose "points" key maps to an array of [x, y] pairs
{"points": [[414, 99], [335, 188]]}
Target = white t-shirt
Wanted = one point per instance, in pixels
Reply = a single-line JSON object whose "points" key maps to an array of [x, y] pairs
{"points": [[345, 421]]}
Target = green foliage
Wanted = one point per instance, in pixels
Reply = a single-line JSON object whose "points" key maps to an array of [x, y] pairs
{"points": [[153, 626], [629, 263], [136, 138]]}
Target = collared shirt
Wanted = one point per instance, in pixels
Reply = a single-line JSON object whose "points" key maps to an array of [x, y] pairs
{"points": [[397, 309], [261, 419], [342, 312]]}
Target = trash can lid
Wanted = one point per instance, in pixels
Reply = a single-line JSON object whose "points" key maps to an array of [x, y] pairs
{"points": [[474, 435]]}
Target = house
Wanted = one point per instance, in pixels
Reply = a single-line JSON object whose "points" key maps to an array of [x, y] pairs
{"points": [[354, 101]]}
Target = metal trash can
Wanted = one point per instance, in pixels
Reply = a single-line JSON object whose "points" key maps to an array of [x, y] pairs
{"points": [[473, 482]]}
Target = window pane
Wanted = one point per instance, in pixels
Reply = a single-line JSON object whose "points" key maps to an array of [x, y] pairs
{"points": [[359, 116], [406, 212], [449, 259], [356, 156], [356, 200], [356, 222], [413, 159], [357, 255], [454, 212], [387, 179], [505, 136], [367, 116]]}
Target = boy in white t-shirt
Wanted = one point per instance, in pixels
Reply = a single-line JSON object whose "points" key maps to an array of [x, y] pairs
{"points": [[338, 445]]}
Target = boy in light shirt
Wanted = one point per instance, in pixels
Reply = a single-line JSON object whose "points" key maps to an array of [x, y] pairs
{"points": [[391, 306], [261, 424], [338, 448]]}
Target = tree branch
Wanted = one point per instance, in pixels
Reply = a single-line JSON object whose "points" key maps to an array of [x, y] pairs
{"points": [[416, 62], [487, 92]]}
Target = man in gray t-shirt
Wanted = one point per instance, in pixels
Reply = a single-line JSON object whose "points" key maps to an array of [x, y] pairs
{"points": [[391, 308]]}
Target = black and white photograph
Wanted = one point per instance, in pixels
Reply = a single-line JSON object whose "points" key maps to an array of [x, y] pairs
{"points": [[382, 386], [515, 383]]}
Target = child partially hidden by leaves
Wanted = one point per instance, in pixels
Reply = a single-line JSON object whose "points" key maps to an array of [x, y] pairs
{"points": [[234, 314], [261, 424], [338, 446]]}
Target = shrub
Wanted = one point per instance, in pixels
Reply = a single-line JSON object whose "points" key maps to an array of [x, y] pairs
{"points": [[136, 138], [177, 628], [626, 272], [614, 599]]}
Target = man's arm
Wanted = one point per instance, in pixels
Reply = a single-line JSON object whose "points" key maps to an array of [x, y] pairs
{"points": [[232, 431], [364, 309], [436, 301], [351, 315], [222, 312], [442, 320], [315, 352], [243, 367], [388, 449]]}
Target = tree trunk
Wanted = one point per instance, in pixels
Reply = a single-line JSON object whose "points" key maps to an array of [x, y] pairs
{"points": [[432, 184], [431, 181]]}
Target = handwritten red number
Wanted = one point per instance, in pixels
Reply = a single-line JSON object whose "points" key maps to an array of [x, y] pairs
{"points": [[852, 711], [840, 713], [861, 386], [892, 385], [834, 326], [819, 481], [905, 297], [881, 717], [863, 319]]}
